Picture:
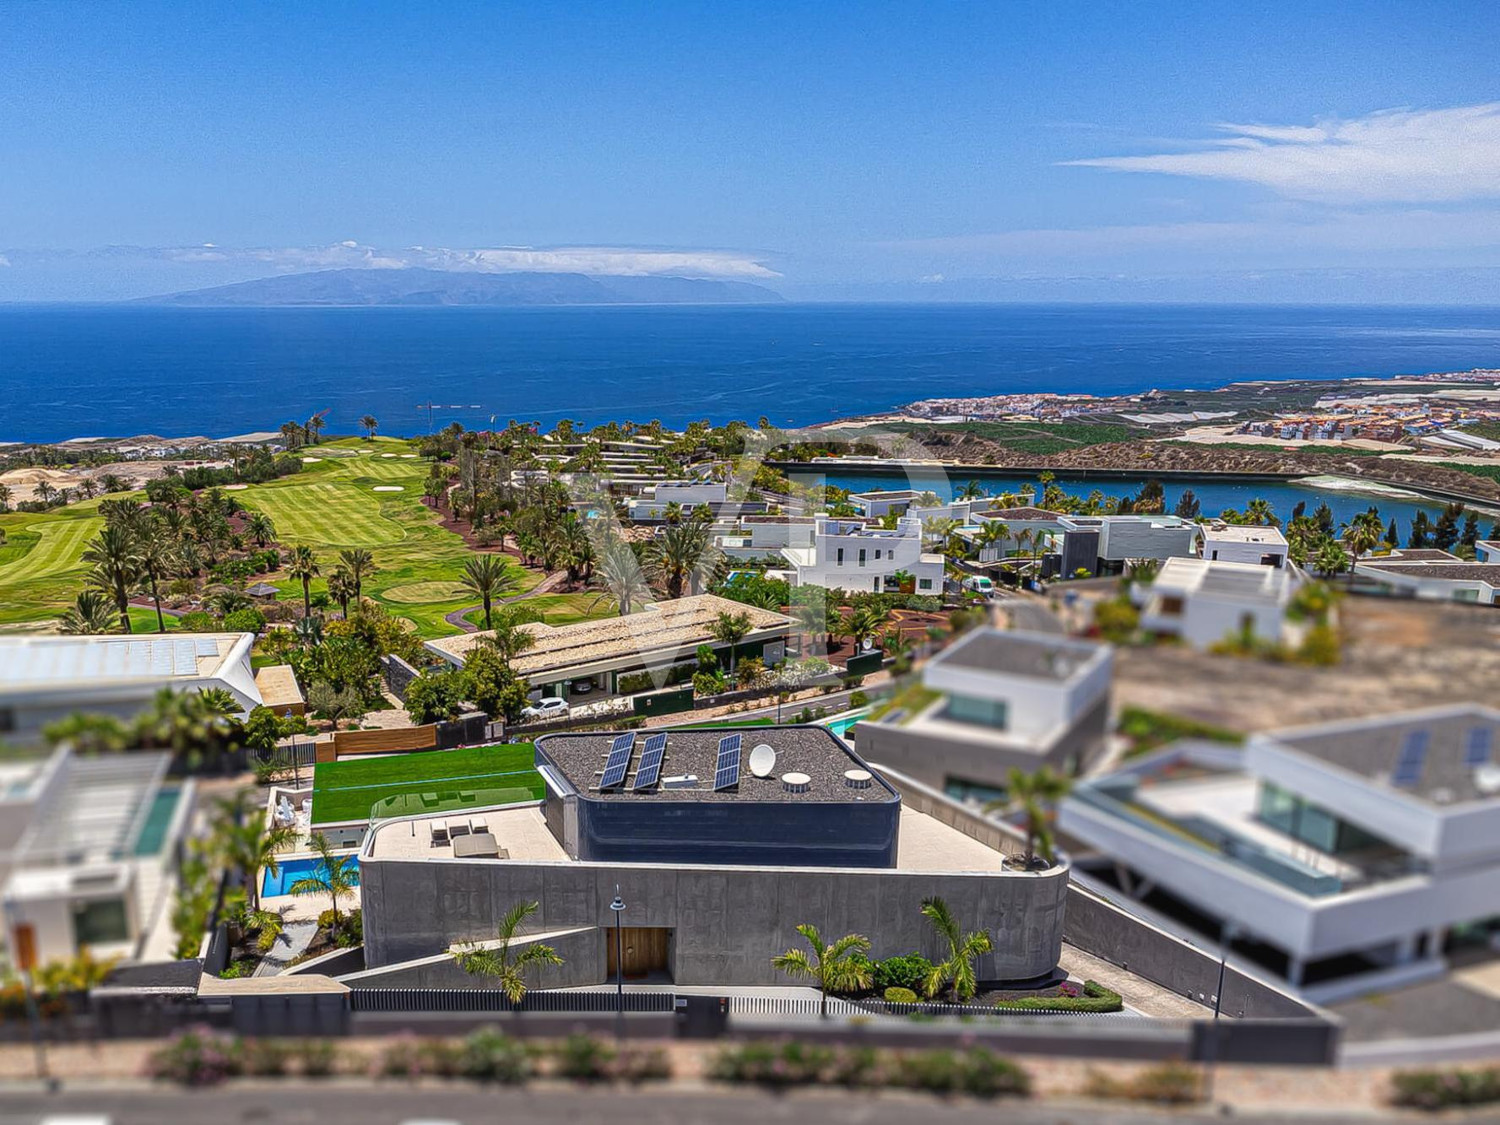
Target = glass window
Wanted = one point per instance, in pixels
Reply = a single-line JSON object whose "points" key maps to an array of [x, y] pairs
{"points": [[961, 789], [100, 923], [924, 584], [840, 557], [982, 712], [861, 556]]}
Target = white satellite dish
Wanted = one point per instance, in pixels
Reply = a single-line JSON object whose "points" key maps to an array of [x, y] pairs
{"points": [[1487, 780], [762, 760], [868, 644]]}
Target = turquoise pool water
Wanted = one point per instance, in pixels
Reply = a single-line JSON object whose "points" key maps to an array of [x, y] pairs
{"points": [[290, 871], [158, 820], [841, 725]]}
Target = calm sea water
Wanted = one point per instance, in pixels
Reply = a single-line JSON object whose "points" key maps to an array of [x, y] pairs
{"points": [[68, 371]]}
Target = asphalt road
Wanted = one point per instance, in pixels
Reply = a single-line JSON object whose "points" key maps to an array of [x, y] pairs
{"points": [[463, 1105]]}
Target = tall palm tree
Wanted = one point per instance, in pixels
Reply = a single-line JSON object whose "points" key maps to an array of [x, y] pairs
{"points": [[730, 629], [499, 963], [370, 425], [341, 588], [336, 876], [618, 575], [956, 972], [866, 621], [970, 491], [1260, 512], [156, 557], [488, 577], [261, 529], [5, 495], [1363, 532], [116, 567], [360, 564], [684, 559], [833, 965], [991, 534], [92, 612], [245, 843], [304, 568], [1032, 793], [507, 637]]}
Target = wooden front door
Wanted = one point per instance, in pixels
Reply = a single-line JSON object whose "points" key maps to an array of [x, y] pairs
{"points": [[646, 950]]}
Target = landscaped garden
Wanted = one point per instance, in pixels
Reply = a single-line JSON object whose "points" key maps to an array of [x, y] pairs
{"points": [[436, 781]]}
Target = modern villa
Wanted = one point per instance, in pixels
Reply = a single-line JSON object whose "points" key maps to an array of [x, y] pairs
{"points": [[718, 844], [1243, 543], [1201, 602], [1433, 575], [853, 555], [1003, 699], [1350, 853]]}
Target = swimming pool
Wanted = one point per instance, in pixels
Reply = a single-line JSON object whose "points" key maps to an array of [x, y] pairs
{"points": [[289, 871], [158, 820], [841, 725]]}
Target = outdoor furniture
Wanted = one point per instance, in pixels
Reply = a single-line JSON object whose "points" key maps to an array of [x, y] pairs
{"points": [[458, 828], [478, 826], [479, 845], [439, 834]]}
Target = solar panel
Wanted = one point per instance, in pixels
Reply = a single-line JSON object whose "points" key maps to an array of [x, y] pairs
{"points": [[647, 773], [184, 658], [161, 660], [727, 772], [1413, 758], [1477, 748], [618, 761], [206, 646]]}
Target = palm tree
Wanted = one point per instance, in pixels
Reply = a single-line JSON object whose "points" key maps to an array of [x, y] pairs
{"points": [[956, 972], [867, 621], [370, 425], [618, 575], [261, 529], [498, 963], [1260, 512], [1031, 793], [156, 558], [991, 534], [44, 491], [360, 564], [1363, 532], [730, 628], [246, 844], [834, 966], [92, 612], [507, 637], [293, 434], [341, 588], [5, 495], [487, 578], [116, 567], [684, 558], [1330, 559], [313, 427], [304, 568], [970, 491], [336, 876]]}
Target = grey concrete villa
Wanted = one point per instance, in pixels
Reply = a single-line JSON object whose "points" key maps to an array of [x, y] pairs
{"points": [[721, 842]]}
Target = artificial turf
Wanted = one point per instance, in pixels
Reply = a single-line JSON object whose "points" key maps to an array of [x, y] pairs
{"points": [[346, 791]]}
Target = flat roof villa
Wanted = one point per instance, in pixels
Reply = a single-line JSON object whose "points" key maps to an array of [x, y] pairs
{"points": [[1201, 601], [1436, 575], [656, 637], [46, 678], [1004, 698], [1348, 851], [720, 843], [1243, 543]]}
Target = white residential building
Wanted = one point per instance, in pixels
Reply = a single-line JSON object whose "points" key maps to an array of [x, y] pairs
{"points": [[1487, 551], [46, 678], [878, 504], [1104, 544], [852, 555], [1007, 698], [1436, 575], [687, 495], [755, 537], [1202, 602], [1350, 844], [1244, 543]]}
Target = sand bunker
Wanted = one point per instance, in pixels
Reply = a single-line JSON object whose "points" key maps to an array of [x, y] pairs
{"points": [[409, 456], [235, 487], [311, 460], [389, 488], [388, 455]]}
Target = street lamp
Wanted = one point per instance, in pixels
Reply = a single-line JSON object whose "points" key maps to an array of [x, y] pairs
{"points": [[1227, 935], [618, 907]]}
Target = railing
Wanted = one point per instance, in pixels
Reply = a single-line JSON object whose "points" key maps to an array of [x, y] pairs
{"points": [[493, 1000], [864, 1009]]}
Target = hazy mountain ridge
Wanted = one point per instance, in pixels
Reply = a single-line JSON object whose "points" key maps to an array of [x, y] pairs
{"points": [[424, 287]]}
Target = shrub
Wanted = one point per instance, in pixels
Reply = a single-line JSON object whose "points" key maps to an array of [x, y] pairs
{"points": [[642, 1064], [1170, 1083], [858, 1068], [245, 621], [244, 967], [583, 1059], [488, 1056], [263, 1057], [197, 1057], [773, 1064], [894, 995], [1320, 646], [857, 699], [197, 622], [977, 1071], [1441, 1089], [408, 1057], [319, 1058], [1095, 998], [906, 971]]}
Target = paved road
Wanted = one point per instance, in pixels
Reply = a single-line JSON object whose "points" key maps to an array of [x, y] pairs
{"points": [[390, 1104]]}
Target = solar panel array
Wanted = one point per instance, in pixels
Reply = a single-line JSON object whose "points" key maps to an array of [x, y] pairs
{"points": [[649, 770], [96, 659], [617, 762], [727, 771], [1413, 757], [1478, 747]]}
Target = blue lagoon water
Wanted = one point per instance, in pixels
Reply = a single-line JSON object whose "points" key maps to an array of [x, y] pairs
{"points": [[70, 371]]}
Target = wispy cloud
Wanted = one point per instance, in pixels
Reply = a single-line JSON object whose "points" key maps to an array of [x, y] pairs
{"points": [[4, 261], [1395, 156], [603, 260]]}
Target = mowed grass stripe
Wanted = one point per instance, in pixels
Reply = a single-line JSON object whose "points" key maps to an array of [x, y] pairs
{"points": [[346, 791], [59, 550], [336, 514]]}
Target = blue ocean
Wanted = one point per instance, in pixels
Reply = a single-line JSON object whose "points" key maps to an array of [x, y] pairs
{"points": [[70, 371]]}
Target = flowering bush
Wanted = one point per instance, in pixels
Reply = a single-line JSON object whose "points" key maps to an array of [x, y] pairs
{"points": [[1439, 1089], [199, 1056]]}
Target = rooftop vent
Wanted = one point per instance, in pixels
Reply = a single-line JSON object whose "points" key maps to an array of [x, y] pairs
{"points": [[796, 782], [680, 781], [762, 760], [857, 779], [1487, 780]]}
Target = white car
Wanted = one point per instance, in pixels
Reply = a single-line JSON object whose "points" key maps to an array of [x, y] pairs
{"points": [[546, 709]]}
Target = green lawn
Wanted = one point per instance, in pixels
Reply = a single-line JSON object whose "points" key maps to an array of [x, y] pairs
{"points": [[761, 722], [41, 567], [440, 780]]}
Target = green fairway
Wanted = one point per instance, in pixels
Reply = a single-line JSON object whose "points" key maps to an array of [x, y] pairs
{"points": [[41, 566], [440, 780], [335, 513]]}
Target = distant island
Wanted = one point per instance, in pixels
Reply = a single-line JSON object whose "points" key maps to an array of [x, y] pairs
{"points": [[423, 287]]}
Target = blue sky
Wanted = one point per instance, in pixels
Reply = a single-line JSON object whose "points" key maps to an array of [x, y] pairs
{"points": [[830, 150]]}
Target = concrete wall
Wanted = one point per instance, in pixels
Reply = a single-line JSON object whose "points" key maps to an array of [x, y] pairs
{"points": [[727, 922], [582, 951]]}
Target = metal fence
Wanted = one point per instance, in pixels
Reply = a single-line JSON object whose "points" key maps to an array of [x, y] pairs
{"points": [[493, 1000], [844, 1009]]}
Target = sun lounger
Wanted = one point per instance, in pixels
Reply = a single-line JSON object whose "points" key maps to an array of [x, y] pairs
{"points": [[457, 828], [439, 835]]}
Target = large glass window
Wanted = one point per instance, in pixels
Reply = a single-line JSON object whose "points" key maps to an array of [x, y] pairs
{"points": [[100, 923], [981, 712], [1316, 826]]}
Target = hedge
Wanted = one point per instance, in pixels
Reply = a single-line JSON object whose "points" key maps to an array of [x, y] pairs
{"points": [[1095, 998], [1442, 1089]]}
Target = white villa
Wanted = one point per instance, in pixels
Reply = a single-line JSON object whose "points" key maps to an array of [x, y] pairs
{"points": [[1201, 601], [853, 555], [1243, 543]]}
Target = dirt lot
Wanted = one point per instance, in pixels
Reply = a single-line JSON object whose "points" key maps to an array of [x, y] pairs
{"points": [[1397, 655]]}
